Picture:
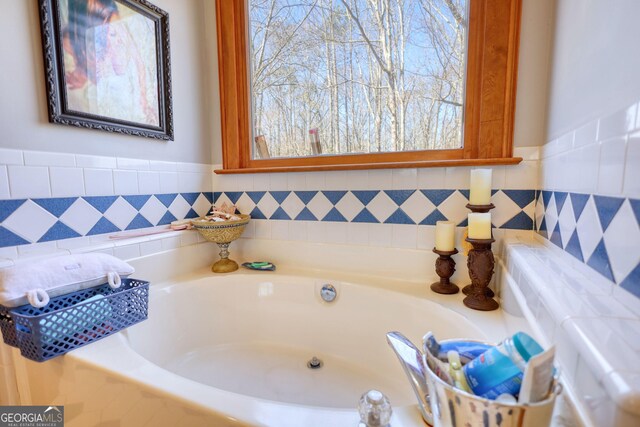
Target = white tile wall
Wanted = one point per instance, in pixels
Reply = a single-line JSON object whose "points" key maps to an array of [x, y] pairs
{"points": [[519, 177], [4, 182], [98, 182], [596, 336], [30, 174], [34, 174], [600, 157], [125, 181], [29, 181], [66, 182]]}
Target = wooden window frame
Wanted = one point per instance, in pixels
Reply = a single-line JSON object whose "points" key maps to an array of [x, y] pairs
{"points": [[490, 96]]}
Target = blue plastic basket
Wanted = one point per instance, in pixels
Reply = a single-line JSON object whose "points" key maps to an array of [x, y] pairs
{"points": [[74, 320]]}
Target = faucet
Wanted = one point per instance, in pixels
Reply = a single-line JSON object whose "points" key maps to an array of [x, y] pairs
{"points": [[413, 363]]}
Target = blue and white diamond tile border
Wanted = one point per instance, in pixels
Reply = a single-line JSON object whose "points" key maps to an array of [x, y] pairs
{"points": [[25, 221], [515, 209], [600, 231]]}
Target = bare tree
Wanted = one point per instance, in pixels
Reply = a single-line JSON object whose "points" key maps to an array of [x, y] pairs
{"points": [[371, 75]]}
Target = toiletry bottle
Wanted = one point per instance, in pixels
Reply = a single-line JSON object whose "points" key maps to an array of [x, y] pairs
{"points": [[374, 409], [455, 369], [467, 350], [499, 370]]}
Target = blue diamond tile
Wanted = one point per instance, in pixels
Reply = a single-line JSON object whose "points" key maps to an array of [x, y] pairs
{"points": [[399, 196], [103, 226], [433, 218], [305, 196], [607, 208], [365, 196], [335, 216], [437, 196], [279, 196], [57, 206], [191, 197], [599, 261], [58, 231], [365, 216], [256, 196], [167, 218], [635, 205], [521, 221], [556, 237], [573, 246], [166, 199], [399, 217], [522, 198], [7, 207], [632, 282], [465, 193], [334, 196], [137, 201], [465, 223], [578, 201], [209, 196], [280, 214], [546, 197], [216, 196], [138, 222], [257, 214], [191, 214], [306, 215], [101, 203], [561, 196], [232, 195], [7, 238]]}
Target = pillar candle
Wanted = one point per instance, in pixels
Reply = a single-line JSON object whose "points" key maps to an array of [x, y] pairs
{"points": [[480, 186], [480, 225], [445, 236]]}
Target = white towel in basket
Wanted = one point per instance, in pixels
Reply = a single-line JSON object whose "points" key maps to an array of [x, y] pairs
{"points": [[35, 282]]}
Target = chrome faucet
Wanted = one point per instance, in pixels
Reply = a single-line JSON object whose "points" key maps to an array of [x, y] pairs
{"points": [[412, 361]]}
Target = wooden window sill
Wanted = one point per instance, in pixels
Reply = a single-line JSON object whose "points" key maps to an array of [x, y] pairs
{"points": [[360, 166]]}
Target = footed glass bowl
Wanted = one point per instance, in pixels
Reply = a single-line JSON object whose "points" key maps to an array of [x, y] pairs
{"points": [[222, 233]]}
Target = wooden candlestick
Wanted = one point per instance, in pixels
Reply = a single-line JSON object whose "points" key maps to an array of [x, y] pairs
{"points": [[445, 267], [479, 209], [480, 264]]}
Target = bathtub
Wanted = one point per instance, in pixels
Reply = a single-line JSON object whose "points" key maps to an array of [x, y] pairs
{"points": [[232, 350]]}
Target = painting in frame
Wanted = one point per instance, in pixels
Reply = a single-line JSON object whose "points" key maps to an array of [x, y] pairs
{"points": [[107, 66]]}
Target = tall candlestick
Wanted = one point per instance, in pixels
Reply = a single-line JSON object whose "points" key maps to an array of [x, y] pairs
{"points": [[480, 187], [445, 236], [480, 225]]}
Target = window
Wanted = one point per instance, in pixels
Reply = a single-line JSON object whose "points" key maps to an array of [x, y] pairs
{"points": [[345, 84]]}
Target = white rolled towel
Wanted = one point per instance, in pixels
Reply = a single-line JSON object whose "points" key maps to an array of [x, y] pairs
{"points": [[36, 282]]}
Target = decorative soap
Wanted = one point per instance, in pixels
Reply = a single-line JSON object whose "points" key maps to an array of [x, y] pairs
{"points": [[259, 265]]}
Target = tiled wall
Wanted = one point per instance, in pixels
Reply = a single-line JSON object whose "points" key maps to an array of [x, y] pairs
{"points": [[56, 202], [389, 208], [590, 203]]}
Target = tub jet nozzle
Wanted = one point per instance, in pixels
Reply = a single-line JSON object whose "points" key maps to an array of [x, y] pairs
{"points": [[314, 363]]}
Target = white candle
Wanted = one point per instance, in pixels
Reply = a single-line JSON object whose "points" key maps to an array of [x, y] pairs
{"points": [[480, 186], [480, 225], [445, 236]]}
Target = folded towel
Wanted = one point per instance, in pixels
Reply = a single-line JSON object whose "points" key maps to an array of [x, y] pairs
{"points": [[58, 276]]}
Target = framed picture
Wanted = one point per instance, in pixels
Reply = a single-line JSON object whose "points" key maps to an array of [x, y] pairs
{"points": [[107, 66]]}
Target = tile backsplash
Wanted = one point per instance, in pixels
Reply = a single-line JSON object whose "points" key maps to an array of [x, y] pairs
{"points": [[389, 208], [56, 201], [590, 199]]}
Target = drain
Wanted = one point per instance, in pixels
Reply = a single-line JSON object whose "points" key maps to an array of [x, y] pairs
{"points": [[314, 363]]}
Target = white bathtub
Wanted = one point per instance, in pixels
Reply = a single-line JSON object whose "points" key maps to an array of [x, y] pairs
{"points": [[232, 350]]}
